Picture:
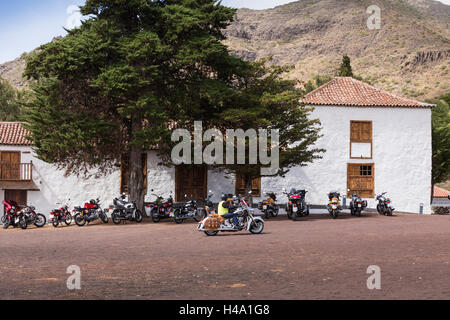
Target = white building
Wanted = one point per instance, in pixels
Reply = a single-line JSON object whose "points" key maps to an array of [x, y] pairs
{"points": [[375, 142]]}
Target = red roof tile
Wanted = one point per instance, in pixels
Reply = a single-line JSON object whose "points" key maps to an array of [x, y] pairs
{"points": [[346, 91], [440, 192], [13, 133]]}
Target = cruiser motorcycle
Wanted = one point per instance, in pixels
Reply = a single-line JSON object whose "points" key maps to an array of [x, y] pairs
{"points": [[296, 206], [384, 206], [90, 212], [357, 205], [125, 211], [269, 206], [334, 206], [61, 215], [213, 224], [12, 215], [160, 208], [189, 210]]}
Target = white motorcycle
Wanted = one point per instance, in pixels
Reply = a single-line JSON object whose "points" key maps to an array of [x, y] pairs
{"points": [[247, 220]]}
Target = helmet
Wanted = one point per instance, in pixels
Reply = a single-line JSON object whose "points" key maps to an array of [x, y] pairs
{"points": [[92, 202], [224, 197]]}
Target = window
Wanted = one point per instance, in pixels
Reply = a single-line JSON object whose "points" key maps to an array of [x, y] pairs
{"points": [[360, 180], [256, 186], [124, 172], [361, 139]]}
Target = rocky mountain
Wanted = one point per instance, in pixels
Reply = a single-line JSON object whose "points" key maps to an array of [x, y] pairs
{"points": [[409, 55]]}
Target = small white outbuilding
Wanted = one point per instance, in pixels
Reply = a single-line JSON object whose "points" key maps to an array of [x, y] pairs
{"points": [[375, 142]]}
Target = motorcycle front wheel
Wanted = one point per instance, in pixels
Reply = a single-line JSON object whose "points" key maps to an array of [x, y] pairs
{"points": [[156, 219], [41, 220], [267, 214], [55, 223], [115, 217], [211, 233], [138, 216], [379, 209], [257, 227], [79, 220], [334, 214], [104, 217], [6, 223], [68, 219], [389, 212], [23, 224]]}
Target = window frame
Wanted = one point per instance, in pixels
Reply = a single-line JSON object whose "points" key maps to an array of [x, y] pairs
{"points": [[362, 140]]}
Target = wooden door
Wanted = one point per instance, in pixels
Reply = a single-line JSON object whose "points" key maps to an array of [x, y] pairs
{"points": [[191, 181], [19, 196], [10, 165], [361, 179]]}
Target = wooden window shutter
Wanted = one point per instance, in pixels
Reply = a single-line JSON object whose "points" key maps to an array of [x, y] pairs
{"points": [[361, 131]]}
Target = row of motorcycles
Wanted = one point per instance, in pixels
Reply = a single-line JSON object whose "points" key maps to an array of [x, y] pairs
{"points": [[298, 207], [21, 216]]}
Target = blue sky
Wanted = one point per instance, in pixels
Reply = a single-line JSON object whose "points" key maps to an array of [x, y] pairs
{"points": [[26, 24]]}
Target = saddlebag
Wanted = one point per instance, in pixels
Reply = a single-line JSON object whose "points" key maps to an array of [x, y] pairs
{"points": [[213, 222]]}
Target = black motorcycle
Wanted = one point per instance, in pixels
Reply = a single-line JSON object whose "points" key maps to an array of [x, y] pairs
{"points": [[384, 206], [357, 205], [31, 217], [125, 211], [90, 212], [189, 210], [297, 206]]}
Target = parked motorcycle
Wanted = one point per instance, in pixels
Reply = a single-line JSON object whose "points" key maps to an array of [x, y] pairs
{"points": [[90, 212], [269, 206], [384, 206], [213, 224], [334, 206], [296, 206], [160, 208], [125, 210], [31, 217], [357, 205], [189, 210], [61, 215], [12, 215]]}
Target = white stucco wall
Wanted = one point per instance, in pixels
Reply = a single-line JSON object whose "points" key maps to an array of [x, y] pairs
{"points": [[401, 154], [55, 187]]}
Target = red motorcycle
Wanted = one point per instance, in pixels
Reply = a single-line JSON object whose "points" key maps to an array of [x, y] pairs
{"points": [[61, 215], [90, 212], [160, 209], [13, 215]]}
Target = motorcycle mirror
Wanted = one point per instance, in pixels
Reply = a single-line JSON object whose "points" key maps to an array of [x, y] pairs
{"points": [[250, 192]]}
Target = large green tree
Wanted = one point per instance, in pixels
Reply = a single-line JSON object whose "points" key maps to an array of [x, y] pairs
{"points": [[111, 86], [441, 140]]}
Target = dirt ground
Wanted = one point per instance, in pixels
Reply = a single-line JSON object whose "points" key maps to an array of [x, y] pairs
{"points": [[314, 258]]}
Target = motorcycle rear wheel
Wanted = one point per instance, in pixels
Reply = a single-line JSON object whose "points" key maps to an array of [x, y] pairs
{"points": [[389, 212], [211, 233], [41, 220], [156, 219], [103, 217], [6, 223], [178, 221], [79, 220], [267, 214], [23, 224]]}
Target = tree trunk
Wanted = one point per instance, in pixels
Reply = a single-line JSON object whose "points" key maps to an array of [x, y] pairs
{"points": [[432, 193], [136, 175], [248, 188]]}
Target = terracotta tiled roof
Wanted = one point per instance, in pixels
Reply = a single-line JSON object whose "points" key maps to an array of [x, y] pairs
{"points": [[13, 133], [346, 91], [440, 192]]}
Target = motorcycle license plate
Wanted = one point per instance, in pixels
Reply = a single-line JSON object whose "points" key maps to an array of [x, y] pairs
{"points": [[264, 207], [295, 209]]}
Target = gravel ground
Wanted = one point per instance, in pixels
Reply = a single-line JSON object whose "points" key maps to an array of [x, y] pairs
{"points": [[313, 258]]}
